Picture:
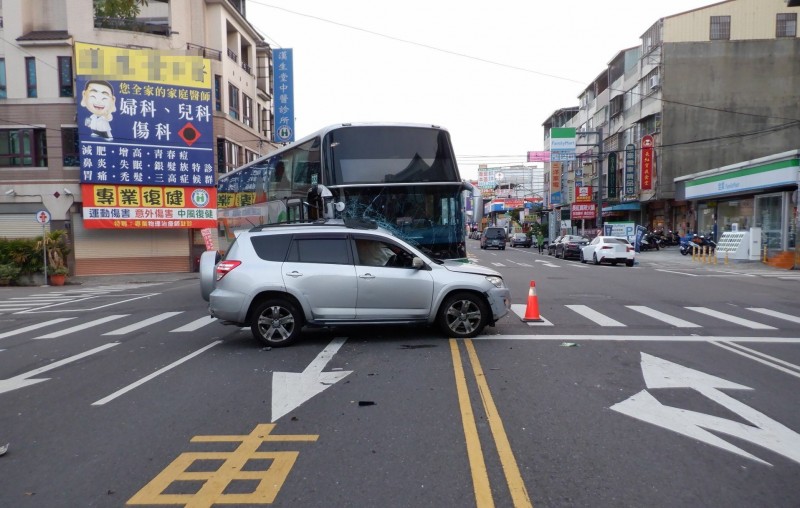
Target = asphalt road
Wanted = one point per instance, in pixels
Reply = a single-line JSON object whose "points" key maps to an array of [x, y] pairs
{"points": [[672, 382]]}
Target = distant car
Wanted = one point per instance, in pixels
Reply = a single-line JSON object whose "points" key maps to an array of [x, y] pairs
{"points": [[493, 237], [570, 246], [609, 249], [551, 247], [521, 240], [279, 278]]}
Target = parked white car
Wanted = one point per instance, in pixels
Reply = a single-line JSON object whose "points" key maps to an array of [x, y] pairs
{"points": [[609, 249]]}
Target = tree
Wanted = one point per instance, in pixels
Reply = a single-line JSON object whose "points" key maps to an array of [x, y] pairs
{"points": [[118, 9]]}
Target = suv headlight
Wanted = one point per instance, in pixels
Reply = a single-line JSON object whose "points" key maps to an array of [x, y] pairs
{"points": [[496, 281]]}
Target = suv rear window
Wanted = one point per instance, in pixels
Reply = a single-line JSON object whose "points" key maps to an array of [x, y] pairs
{"points": [[495, 233], [271, 247]]}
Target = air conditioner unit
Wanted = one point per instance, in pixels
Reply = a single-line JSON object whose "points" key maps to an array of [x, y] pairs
{"points": [[654, 81]]}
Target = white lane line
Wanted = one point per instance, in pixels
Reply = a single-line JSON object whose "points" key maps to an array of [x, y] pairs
{"points": [[82, 327], [195, 325], [732, 319], [759, 360], [764, 355], [153, 375], [33, 327], [142, 324], [593, 315], [677, 273], [670, 320], [776, 314]]}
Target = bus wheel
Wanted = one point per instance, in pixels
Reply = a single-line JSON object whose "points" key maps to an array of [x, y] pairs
{"points": [[463, 315], [276, 322]]}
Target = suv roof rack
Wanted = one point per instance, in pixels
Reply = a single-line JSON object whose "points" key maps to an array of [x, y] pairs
{"points": [[351, 223]]}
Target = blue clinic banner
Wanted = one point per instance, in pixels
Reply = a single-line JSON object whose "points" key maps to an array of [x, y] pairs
{"points": [[640, 232], [137, 126], [283, 83]]}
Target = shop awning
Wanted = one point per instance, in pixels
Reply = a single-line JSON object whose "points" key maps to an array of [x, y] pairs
{"points": [[622, 207]]}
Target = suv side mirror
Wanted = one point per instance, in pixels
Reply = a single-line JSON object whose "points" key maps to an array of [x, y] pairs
{"points": [[417, 263]]}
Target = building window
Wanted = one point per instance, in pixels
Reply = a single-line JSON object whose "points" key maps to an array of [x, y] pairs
{"points": [[247, 114], [30, 75], [720, 28], [228, 155], [218, 92], [233, 101], [23, 148], [3, 86], [65, 88], [786, 25], [70, 147]]}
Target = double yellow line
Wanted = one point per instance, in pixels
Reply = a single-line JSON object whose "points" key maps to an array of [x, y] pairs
{"points": [[480, 476]]}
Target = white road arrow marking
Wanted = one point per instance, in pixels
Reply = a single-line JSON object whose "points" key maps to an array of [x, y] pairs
{"points": [[21, 381], [764, 432], [290, 390]]}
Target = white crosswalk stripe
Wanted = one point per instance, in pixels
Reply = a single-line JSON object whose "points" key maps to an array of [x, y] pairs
{"points": [[55, 298], [670, 320], [732, 319], [773, 313], [600, 319], [142, 324]]}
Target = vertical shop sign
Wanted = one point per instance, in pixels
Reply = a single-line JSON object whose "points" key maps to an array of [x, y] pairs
{"points": [[630, 170], [283, 83], [612, 175], [647, 162]]}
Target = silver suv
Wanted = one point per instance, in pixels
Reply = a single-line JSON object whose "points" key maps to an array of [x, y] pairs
{"points": [[279, 278]]}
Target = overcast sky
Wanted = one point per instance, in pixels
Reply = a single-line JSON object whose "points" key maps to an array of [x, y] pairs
{"points": [[489, 72]]}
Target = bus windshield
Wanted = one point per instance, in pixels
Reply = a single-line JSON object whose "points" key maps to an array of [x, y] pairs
{"points": [[389, 154]]}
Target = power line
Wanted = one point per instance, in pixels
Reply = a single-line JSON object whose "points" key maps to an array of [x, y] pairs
{"points": [[507, 66]]}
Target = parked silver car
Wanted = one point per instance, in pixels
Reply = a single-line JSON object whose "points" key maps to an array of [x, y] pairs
{"points": [[279, 278]]}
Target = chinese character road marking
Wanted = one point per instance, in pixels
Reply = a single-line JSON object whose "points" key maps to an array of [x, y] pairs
{"points": [[231, 469]]}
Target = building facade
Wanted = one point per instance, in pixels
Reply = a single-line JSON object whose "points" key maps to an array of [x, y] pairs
{"points": [[713, 90], [40, 159]]}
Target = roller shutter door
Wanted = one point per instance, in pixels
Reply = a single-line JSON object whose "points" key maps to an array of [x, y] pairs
{"points": [[116, 251]]}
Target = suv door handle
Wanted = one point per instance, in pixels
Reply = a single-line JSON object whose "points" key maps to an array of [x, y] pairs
{"points": [[366, 276], [295, 274]]}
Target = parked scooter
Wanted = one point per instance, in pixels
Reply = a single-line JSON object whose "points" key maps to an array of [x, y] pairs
{"points": [[698, 241], [649, 242]]}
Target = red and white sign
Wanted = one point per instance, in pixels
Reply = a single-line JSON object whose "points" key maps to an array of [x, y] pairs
{"points": [[583, 194], [206, 232], [647, 162], [43, 217], [583, 211]]}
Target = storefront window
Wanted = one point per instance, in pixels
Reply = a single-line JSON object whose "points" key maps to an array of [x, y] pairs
{"points": [[735, 215], [769, 217]]}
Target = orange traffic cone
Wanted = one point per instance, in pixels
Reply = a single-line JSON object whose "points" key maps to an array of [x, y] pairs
{"points": [[532, 310]]}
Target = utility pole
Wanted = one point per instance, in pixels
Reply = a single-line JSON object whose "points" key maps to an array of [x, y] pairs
{"points": [[599, 145]]}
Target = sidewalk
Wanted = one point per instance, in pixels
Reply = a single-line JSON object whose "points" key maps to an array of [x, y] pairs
{"points": [[130, 278], [671, 256]]}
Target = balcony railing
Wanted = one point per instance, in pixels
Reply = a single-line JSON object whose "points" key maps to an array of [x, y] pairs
{"points": [[155, 26], [233, 56], [204, 51]]}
